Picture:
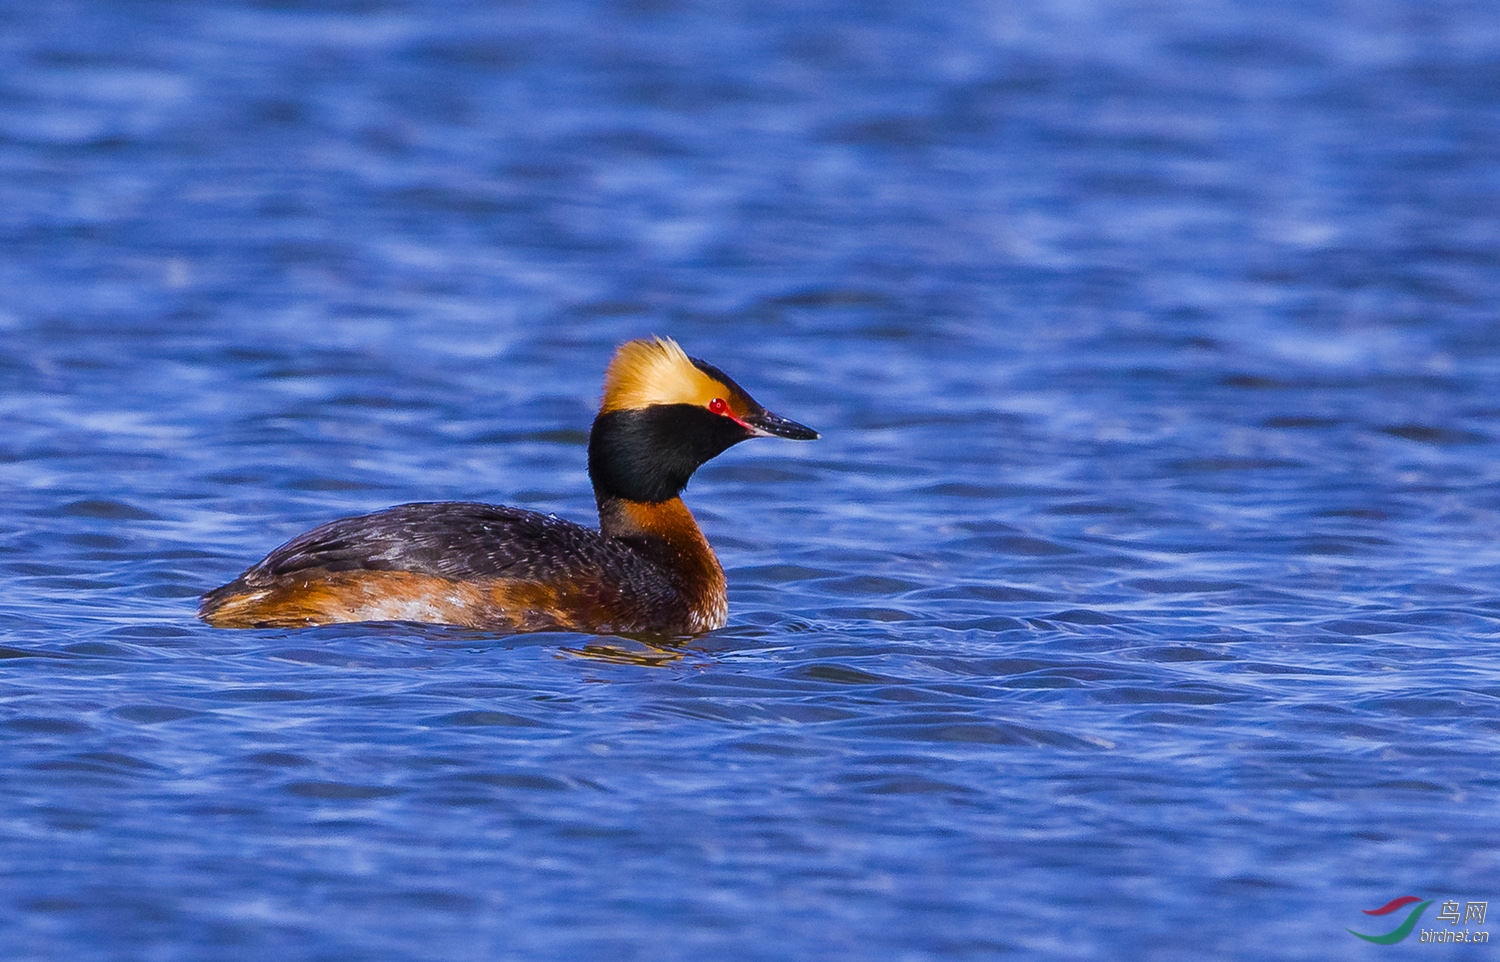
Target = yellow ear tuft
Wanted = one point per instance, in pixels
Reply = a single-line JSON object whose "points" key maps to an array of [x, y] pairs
{"points": [[655, 371]]}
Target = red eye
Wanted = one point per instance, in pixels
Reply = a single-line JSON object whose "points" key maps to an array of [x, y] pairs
{"points": [[718, 406]]}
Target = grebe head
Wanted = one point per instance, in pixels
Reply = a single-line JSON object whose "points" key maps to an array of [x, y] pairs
{"points": [[663, 415]]}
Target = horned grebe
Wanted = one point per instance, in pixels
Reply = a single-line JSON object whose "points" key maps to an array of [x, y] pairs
{"points": [[648, 569]]}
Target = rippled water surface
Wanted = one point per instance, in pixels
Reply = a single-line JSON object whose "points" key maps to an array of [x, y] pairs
{"points": [[1140, 601]]}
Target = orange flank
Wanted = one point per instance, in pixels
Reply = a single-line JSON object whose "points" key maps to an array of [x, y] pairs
{"points": [[321, 598]]}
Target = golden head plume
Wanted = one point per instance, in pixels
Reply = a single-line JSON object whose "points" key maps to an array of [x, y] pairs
{"points": [[656, 371]]}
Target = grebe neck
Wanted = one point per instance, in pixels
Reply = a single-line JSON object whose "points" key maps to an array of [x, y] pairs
{"points": [[665, 532], [669, 521]]}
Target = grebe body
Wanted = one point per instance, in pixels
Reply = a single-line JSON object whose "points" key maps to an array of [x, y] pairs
{"points": [[646, 569]]}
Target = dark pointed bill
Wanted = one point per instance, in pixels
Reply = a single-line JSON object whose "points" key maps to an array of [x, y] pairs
{"points": [[768, 425]]}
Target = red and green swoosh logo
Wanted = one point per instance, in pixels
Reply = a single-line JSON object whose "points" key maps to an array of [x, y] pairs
{"points": [[1401, 931]]}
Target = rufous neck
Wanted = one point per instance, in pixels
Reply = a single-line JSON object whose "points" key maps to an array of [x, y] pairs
{"points": [[665, 532], [669, 520]]}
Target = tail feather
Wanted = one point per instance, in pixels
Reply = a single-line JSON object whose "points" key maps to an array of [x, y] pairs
{"points": [[234, 605]]}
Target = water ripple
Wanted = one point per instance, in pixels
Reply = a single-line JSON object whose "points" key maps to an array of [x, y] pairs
{"points": [[1142, 587]]}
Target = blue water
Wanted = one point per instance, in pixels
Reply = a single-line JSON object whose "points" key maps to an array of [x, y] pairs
{"points": [[1141, 600]]}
